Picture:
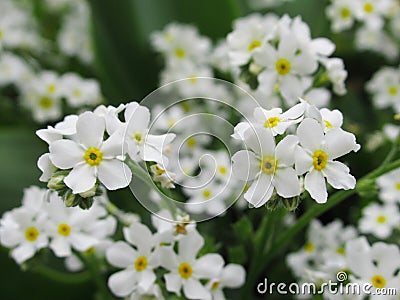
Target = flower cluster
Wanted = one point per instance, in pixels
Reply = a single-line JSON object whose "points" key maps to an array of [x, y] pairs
{"points": [[334, 249], [44, 221], [89, 150], [143, 254], [274, 168], [379, 20], [278, 59]]}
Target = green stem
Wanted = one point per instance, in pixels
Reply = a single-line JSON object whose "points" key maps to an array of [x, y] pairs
{"points": [[146, 178], [61, 277]]}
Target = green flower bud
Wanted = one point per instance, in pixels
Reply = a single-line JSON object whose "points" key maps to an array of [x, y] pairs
{"points": [[70, 199], [291, 203], [85, 203], [56, 182], [90, 193]]}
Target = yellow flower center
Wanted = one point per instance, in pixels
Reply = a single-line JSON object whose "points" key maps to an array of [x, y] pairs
{"points": [[191, 142], [64, 229], [141, 263], [180, 53], [77, 93], [215, 285], [222, 170], [268, 165], [283, 66], [93, 156], [345, 12], [51, 88], [381, 219], [138, 137], [31, 234], [180, 228], [271, 122], [320, 158], [368, 7], [89, 251], [309, 247], [193, 79], [207, 193], [393, 91], [254, 44], [328, 124], [185, 270], [1, 34], [341, 251], [46, 102], [398, 186], [378, 281]]}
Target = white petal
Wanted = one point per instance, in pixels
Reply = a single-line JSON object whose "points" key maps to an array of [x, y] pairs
{"points": [[245, 165], [233, 276], [46, 166], [286, 182], [189, 246], [323, 46], [291, 88], [305, 64], [285, 150], [310, 134], [114, 174], [82, 242], [314, 183], [146, 279], [90, 129], [339, 142], [123, 283], [113, 146], [138, 121], [121, 255], [267, 80], [303, 161], [81, 179], [208, 266], [260, 191], [338, 175], [173, 283], [168, 258], [23, 253], [140, 236], [61, 247], [65, 154], [260, 140], [193, 289]]}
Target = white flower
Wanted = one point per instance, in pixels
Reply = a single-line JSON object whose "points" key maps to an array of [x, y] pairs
{"points": [[389, 186], [186, 271], [249, 34], [270, 167], [67, 127], [391, 131], [376, 265], [68, 227], [91, 158], [379, 220], [331, 118], [315, 156], [336, 74], [24, 228], [385, 88], [138, 263], [14, 70], [79, 92], [283, 66], [164, 177], [341, 13], [371, 12], [231, 276], [141, 144], [181, 44]]}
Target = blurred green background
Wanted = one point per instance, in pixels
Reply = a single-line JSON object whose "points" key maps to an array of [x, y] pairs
{"points": [[128, 70]]}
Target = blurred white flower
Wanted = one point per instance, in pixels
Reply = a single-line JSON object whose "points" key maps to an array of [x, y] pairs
{"points": [[389, 186]]}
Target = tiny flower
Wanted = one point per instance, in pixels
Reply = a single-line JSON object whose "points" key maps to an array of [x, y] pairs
{"points": [[91, 158], [315, 156], [389, 186], [270, 166], [186, 271], [331, 118], [379, 220], [231, 276], [138, 263]]}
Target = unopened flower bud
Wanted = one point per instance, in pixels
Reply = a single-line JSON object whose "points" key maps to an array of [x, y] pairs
{"points": [[70, 199], [85, 203], [56, 183], [291, 203], [89, 193]]}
